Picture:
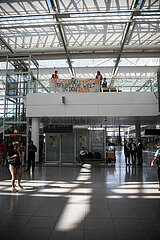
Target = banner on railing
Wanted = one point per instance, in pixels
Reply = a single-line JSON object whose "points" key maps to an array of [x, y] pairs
{"points": [[75, 85]]}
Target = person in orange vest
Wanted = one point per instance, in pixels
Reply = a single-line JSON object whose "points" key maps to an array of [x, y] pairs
{"points": [[55, 75], [99, 77]]}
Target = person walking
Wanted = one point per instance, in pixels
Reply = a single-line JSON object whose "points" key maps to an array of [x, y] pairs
{"points": [[15, 166], [32, 149], [156, 159]]}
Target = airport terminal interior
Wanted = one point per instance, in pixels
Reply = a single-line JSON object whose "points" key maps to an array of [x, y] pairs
{"points": [[81, 79]]}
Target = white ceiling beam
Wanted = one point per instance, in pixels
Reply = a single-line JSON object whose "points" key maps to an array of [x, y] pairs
{"points": [[44, 55], [92, 48], [62, 35], [125, 37], [125, 72], [70, 14], [41, 25]]}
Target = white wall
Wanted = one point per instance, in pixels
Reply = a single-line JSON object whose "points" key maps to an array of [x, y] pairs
{"points": [[92, 104]]}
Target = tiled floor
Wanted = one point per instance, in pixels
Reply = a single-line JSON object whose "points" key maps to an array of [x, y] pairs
{"points": [[82, 202]]}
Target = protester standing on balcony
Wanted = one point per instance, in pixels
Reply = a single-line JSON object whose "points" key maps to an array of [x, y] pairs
{"points": [[55, 75], [99, 77]]}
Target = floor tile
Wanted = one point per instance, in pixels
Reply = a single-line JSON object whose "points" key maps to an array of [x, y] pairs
{"points": [[34, 234], [132, 235], [67, 235], [128, 224], [14, 221], [111, 203], [99, 235], [99, 224], [41, 222]]}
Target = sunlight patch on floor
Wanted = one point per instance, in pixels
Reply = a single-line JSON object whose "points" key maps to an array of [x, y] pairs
{"points": [[76, 208]]}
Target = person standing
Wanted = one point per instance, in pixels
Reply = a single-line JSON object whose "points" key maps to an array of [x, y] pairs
{"points": [[32, 149], [55, 75], [139, 149], [2, 152], [127, 153], [133, 152], [104, 84], [15, 166], [157, 160], [99, 77]]}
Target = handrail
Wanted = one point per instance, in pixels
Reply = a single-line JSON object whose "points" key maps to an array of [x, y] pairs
{"points": [[88, 85]]}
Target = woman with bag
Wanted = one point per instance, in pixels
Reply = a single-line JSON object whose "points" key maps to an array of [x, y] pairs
{"points": [[15, 166]]}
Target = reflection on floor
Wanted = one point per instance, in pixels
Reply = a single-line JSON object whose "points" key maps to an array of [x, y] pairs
{"points": [[82, 202]]}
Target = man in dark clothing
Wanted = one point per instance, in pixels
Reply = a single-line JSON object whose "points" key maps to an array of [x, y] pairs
{"points": [[127, 151], [139, 149], [31, 156], [133, 151]]}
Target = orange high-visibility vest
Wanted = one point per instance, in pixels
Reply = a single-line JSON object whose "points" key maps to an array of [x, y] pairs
{"points": [[99, 77], [54, 76]]}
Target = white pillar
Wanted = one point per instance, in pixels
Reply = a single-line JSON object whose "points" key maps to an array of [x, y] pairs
{"points": [[35, 136], [138, 132], [104, 137]]}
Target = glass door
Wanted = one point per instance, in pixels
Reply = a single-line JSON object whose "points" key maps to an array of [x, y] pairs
{"points": [[67, 148], [52, 147]]}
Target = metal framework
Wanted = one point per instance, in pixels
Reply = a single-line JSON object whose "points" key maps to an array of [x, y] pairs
{"points": [[78, 29]]}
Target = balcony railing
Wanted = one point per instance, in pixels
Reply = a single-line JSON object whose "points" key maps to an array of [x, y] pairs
{"points": [[81, 85]]}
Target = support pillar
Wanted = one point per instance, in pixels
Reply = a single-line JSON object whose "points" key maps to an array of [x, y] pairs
{"points": [[35, 136], [104, 137], [138, 132], [119, 136]]}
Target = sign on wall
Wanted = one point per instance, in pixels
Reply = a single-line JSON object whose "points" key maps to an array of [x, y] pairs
{"points": [[75, 85], [53, 141], [82, 141], [58, 129]]}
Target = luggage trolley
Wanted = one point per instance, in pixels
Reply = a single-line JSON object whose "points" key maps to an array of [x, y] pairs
{"points": [[110, 156]]}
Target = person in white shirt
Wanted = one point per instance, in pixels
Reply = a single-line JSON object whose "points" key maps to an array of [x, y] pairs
{"points": [[157, 160]]}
